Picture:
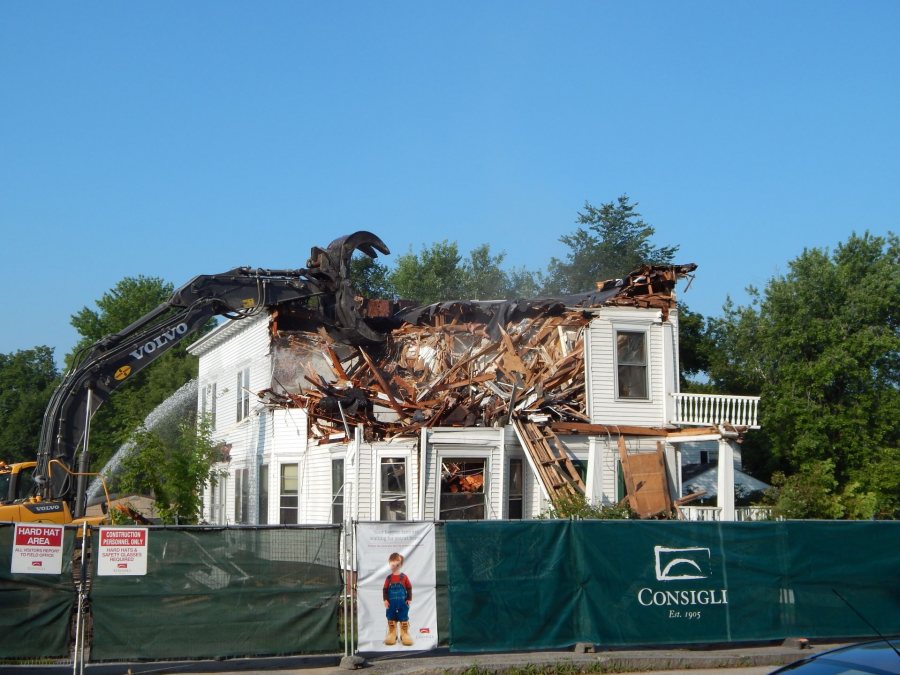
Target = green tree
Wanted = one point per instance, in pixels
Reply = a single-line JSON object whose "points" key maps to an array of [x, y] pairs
{"points": [[695, 348], [172, 466], [27, 380], [130, 299], [612, 240], [821, 346], [434, 274], [813, 492], [440, 272], [370, 278]]}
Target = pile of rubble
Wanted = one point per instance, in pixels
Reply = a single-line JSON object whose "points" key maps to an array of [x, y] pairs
{"points": [[459, 363]]}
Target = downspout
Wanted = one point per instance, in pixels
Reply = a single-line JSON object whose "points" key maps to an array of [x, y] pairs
{"points": [[357, 445], [423, 463]]}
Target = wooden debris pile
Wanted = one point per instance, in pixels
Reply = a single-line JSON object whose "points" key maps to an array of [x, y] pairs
{"points": [[460, 363], [449, 372]]}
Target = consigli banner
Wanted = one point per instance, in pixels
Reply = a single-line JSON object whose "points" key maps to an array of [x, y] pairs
{"points": [[396, 587]]}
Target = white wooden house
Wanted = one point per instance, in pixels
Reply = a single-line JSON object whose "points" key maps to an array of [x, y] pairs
{"points": [[278, 473]]}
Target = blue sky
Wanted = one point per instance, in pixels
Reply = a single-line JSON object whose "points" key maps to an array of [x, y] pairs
{"points": [[172, 139]]}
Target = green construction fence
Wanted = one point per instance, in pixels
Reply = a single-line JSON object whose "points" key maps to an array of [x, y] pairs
{"points": [[222, 592], [550, 584], [35, 609]]}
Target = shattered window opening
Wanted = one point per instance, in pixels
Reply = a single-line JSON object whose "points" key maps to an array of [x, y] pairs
{"points": [[393, 488], [631, 364], [462, 489]]}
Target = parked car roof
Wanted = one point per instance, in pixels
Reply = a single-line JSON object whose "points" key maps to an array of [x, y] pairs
{"points": [[879, 656]]}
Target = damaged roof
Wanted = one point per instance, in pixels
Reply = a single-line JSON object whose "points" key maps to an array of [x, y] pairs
{"points": [[455, 363]]}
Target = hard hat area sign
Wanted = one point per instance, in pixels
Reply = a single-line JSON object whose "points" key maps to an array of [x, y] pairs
{"points": [[122, 551], [37, 549]]}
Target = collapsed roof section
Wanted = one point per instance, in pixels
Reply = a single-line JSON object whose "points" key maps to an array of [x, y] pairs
{"points": [[457, 363]]}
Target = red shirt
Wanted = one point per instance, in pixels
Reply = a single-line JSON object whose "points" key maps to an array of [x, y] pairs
{"points": [[398, 579]]}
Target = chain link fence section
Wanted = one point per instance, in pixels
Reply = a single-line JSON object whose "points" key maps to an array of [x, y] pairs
{"points": [[37, 608], [220, 593]]}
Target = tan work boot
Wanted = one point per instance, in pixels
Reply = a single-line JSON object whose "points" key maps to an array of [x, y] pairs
{"points": [[405, 637], [391, 638]]}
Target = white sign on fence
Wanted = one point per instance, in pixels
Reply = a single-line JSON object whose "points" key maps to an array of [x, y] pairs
{"points": [[396, 591], [123, 551], [37, 549]]}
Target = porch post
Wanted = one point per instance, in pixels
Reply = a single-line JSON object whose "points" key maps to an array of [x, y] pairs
{"points": [[725, 486]]}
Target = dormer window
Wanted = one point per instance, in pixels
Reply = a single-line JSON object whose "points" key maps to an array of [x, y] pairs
{"points": [[631, 364]]}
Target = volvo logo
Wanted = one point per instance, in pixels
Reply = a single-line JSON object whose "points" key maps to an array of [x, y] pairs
{"points": [[159, 341]]}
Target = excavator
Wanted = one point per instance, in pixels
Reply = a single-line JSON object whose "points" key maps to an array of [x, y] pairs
{"points": [[53, 488]]}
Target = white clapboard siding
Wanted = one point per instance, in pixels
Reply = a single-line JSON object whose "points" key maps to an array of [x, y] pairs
{"points": [[315, 484], [225, 352], [288, 447], [605, 407], [363, 484]]}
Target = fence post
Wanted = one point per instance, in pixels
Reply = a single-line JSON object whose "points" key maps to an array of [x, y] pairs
{"points": [[78, 654]]}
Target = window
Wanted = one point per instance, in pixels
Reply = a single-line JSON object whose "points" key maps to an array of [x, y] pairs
{"points": [[631, 363], [337, 491], [243, 394], [704, 456], [516, 489], [462, 489], [24, 482], [621, 489], [393, 488], [241, 496], [208, 403], [290, 494], [217, 506], [263, 496]]}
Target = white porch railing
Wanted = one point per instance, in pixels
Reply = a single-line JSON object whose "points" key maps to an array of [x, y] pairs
{"points": [[742, 514], [714, 409]]}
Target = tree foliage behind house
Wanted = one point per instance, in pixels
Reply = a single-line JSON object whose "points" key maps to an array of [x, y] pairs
{"points": [[440, 272], [27, 380], [130, 299], [172, 464], [612, 240], [821, 345]]}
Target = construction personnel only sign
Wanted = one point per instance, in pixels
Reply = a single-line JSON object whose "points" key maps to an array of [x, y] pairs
{"points": [[122, 551], [37, 549]]}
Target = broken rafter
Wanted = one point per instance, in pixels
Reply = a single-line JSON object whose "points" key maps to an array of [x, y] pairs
{"points": [[461, 363]]}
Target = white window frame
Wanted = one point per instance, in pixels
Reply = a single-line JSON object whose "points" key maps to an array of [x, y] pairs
{"points": [[218, 501], [645, 331], [281, 494], [381, 457], [208, 403], [243, 394], [339, 492], [466, 455]]}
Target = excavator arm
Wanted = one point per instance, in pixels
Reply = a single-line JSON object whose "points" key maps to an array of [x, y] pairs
{"points": [[323, 286]]}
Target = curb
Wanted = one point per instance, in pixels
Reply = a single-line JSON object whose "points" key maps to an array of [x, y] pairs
{"points": [[610, 661]]}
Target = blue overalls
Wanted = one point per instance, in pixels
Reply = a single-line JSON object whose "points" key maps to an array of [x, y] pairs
{"points": [[397, 610]]}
